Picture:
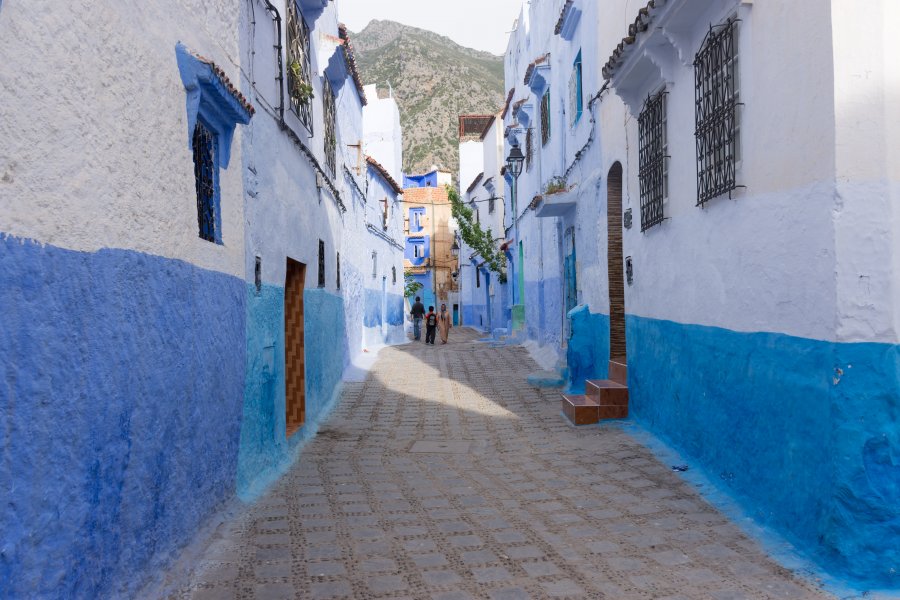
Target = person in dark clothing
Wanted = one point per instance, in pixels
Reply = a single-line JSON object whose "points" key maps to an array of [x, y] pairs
{"points": [[430, 325], [417, 313]]}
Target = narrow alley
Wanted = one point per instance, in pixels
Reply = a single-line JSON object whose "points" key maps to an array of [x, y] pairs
{"points": [[446, 476]]}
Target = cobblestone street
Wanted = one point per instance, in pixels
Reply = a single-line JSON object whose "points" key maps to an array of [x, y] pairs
{"points": [[446, 476]]}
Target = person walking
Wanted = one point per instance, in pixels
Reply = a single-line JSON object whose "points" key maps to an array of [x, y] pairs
{"points": [[417, 313], [430, 325], [444, 323]]}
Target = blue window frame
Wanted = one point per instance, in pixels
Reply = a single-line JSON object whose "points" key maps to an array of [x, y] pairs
{"points": [[576, 95], [214, 108], [416, 219]]}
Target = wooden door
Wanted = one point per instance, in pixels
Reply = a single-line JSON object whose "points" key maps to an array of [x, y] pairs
{"points": [[615, 262], [294, 356]]}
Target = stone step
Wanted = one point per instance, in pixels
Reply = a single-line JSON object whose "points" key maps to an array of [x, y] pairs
{"points": [[580, 410], [618, 371], [606, 393], [613, 412]]}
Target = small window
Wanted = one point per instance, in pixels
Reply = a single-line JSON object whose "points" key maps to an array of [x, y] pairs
{"points": [[328, 115], [576, 97], [416, 219], [321, 263], [338, 267], [477, 277], [529, 148], [206, 175], [491, 204], [653, 149], [257, 275], [298, 65], [394, 275], [545, 117], [374, 264], [418, 249], [717, 97], [385, 214]]}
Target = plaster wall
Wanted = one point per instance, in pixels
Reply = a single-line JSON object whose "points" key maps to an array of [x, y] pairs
{"points": [[471, 163], [383, 134], [123, 331], [85, 175]]}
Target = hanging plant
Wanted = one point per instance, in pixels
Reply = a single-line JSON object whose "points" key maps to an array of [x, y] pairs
{"points": [[301, 91]]}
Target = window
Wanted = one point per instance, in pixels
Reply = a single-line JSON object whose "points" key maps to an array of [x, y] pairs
{"points": [[328, 114], [416, 219], [653, 172], [576, 97], [338, 267], [491, 203], [257, 275], [545, 117], [716, 102], [206, 181], [394, 275], [529, 148], [298, 65], [374, 263], [321, 263], [418, 247], [477, 277], [384, 214]]}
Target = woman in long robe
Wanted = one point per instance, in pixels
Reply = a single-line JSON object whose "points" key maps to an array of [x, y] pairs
{"points": [[445, 322]]}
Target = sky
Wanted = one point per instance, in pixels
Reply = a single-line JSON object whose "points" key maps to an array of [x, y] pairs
{"points": [[480, 24]]}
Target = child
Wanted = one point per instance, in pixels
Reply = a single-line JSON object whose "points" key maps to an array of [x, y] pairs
{"points": [[430, 325]]}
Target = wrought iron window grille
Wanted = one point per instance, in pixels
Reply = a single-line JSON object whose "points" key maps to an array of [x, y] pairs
{"points": [[205, 173], [328, 112], [545, 118], [529, 148], [321, 263], [652, 155], [716, 100], [338, 267], [298, 65]]}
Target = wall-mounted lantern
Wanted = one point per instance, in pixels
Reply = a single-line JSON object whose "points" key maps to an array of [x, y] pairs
{"points": [[629, 271]]}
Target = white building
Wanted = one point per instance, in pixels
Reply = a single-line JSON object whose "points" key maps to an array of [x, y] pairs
{"points": [[731, 191]]}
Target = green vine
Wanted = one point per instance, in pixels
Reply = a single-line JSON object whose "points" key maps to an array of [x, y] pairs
{"points": [[410, 285], [301, 91], [482, 241]]}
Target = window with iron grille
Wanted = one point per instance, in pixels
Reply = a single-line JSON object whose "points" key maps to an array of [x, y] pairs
{"points": [[545, 117], [394, 275], [321, 263], [384, 214], [298, 65], [716, 112], [477, 277], [529, 148], [338, 267], [653, 172], [491, 204], [206, 173], [328, 114]]}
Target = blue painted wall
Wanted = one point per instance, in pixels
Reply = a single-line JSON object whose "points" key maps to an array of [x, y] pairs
{"points": [[372, 315], [587, 353], [120, 409], [265, 452], [803, 432], [544, 310]]}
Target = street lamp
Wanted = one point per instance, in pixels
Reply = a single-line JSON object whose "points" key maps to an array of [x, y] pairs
{"points": [[454, 249], [514, 165]]}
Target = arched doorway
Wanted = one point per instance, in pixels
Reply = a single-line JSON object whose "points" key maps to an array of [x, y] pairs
{"points": [[615, 263]]}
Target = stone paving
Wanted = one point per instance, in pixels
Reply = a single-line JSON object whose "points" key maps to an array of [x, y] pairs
{"points": [[445, 476]]}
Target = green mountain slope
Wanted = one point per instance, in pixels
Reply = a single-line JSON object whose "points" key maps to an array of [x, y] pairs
{"points": [[433, 80]]}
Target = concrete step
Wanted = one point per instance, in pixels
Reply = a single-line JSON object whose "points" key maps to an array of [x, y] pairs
{"points": [[618, 370], [605, 392], [613, 412], [580, 410]]}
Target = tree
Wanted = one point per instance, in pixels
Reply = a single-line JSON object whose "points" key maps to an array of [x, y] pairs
{"points": [[476, 238], [411, 286]]}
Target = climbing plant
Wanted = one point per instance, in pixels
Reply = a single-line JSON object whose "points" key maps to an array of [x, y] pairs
{"points": [[410, 285], [480, 240]]}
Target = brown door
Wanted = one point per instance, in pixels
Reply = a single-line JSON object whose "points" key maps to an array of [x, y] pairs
{"points": [[294, 359], [615, 262]]}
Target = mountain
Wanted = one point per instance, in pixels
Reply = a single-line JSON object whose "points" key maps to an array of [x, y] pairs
{"points": [[433, 80]]}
